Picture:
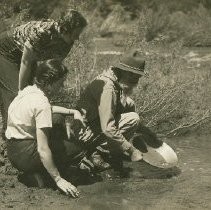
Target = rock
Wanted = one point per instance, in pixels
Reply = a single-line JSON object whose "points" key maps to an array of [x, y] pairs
{"points": [[118, 21]]}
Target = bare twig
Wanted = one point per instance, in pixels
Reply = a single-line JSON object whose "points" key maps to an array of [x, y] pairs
{"points": [[95, 58], [185, 125]]}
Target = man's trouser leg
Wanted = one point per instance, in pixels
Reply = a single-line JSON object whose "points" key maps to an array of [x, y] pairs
{"points": [[128, 124], [2, 116], [8, 86]]}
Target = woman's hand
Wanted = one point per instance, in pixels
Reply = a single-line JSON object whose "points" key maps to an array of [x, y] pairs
{"points": [[67, 187]]}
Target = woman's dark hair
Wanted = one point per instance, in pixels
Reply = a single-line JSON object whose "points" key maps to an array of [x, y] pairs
{"points": [[73, 19], [49, 71]]}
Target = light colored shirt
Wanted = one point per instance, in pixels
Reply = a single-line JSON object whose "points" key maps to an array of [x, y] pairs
{"points": [[29, 110]]}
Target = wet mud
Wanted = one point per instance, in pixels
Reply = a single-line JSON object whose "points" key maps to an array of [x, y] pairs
{"points": [[187, 186]]}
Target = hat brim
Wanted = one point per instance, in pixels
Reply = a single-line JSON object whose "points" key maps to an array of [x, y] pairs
{"points": [[128, 69]]}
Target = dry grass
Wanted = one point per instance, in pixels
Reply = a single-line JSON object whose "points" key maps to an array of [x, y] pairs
{"points": [[172, 100], [176, 96]]}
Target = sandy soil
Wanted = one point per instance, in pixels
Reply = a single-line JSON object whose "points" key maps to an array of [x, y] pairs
{"points": [[187, 186]]}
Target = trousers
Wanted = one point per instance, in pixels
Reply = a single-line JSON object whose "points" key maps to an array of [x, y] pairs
{"points": [[24, 156], [90, 139], [8, 86]]}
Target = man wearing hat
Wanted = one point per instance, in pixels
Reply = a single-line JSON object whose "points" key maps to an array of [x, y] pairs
{"points": [[110, 112]]}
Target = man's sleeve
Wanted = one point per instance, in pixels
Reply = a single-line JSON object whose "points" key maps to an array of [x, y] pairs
{"points": [[107, 108], [40, 34]]}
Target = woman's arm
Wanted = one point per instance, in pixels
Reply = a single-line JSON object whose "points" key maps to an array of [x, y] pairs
{"points": [[28, 62], [47, 160], [61, 110]]}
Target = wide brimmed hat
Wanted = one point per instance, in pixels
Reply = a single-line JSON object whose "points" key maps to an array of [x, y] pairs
{"points": [[131, 62]]}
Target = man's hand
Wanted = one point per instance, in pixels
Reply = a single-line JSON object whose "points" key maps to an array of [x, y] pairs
{"points": [[67, 187], [78, 116], [149, 137]]}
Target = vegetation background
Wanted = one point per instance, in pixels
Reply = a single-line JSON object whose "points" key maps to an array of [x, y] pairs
{"points": [[175, 98]]}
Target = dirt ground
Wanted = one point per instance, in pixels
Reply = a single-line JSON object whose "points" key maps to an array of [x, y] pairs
{"points": [[187, 186]]}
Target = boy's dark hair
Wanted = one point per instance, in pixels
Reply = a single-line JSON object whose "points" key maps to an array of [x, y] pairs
{"points": [[72, 20], [49, 71]]}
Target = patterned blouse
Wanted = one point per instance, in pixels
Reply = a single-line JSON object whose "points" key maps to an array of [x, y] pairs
{"points": [[43, 37]]}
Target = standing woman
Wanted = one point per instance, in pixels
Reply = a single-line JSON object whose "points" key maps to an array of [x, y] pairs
{"points": [[23, 46]]}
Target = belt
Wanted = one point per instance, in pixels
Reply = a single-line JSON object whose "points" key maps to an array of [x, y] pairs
{"points": [[16, 140]]}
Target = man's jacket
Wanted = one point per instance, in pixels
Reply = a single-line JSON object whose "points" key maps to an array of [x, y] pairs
{"points": [[104, 102]]}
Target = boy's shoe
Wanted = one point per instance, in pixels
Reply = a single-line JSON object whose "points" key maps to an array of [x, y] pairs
{"points": [[86, 165], [98, 162], [117, 162]]}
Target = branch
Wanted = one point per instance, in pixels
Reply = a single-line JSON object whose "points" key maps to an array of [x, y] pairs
{"points": [[182, 126]]}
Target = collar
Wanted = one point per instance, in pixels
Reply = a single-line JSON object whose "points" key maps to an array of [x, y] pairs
{"points": [[111, 75], [29, 90]]}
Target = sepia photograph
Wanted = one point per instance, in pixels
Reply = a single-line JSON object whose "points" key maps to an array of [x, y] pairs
{"points": [[105, 104]]}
